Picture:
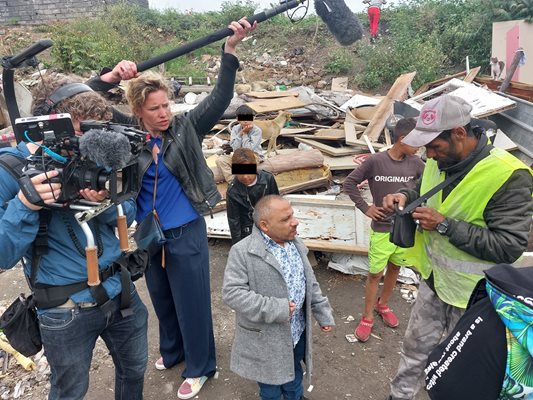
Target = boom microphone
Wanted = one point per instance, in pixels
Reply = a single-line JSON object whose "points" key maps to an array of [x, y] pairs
{"points": [[105, 148], [340, 20]]}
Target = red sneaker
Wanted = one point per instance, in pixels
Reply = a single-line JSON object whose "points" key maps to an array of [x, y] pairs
{"points": [[389, 318], [363, 330]]}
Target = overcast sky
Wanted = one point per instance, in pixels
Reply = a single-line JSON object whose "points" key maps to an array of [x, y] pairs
{"points": [[214, 5]]}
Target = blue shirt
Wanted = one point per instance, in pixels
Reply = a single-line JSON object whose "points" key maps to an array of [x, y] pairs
{"points": [[292, 269], [172, 204], [63, 264]]}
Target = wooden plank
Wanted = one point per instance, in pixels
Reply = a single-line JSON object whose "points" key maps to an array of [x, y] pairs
{"points": [[352, 128], [324, 134], [294, 131], [338, 133], [504, 142], [314, 137], [426, 86], [472, 75], [398, 92], [269, 105], [369, 144], [333, 151], [340, 163], [484, 102], [318, 245], [272, 94], [518, 89]]}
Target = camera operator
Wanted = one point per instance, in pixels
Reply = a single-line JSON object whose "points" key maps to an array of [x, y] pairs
{"points": [[178, 276], [69, 330]]}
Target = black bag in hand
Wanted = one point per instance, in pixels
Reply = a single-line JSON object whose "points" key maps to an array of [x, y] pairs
{"points": [[149, 235], [21, 326], [403, 229], [403, 226]]}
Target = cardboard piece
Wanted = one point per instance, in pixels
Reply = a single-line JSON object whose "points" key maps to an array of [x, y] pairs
{"points": [[272, 94], [398, 92], [269, 105]]}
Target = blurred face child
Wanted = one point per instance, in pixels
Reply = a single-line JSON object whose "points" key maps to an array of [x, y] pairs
{"points": [[244, 166]]}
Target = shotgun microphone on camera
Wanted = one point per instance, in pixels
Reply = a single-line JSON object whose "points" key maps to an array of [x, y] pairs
{"points": [[106, 148], [340, 20]]}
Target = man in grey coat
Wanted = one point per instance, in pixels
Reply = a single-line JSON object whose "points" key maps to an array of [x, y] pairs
{"points": [[272, 288]]}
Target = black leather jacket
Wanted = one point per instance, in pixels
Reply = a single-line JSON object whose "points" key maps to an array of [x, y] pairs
{"points": [[182, 142], [241, 200]]}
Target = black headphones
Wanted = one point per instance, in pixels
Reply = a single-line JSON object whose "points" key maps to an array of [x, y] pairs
{"points": [[62, 93]]}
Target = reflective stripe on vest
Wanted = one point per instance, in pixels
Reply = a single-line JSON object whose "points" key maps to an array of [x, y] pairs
{"points": [[455, 271]]}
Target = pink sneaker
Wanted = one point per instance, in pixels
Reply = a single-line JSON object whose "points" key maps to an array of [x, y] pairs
{"points": [[363, 330], [191, 387], [389, 318]]}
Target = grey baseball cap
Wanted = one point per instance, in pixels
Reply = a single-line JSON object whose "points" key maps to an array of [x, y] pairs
{"points": [[438, 115]]}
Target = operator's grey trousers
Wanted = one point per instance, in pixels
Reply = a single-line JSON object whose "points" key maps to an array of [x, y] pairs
{"points": [[430, 320]]}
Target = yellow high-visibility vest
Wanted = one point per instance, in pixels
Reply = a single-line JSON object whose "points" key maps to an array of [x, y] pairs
{"points": [[456, 272]]}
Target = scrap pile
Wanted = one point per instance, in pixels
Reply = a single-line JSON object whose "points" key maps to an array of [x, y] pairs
{"points": [[328, 135]]}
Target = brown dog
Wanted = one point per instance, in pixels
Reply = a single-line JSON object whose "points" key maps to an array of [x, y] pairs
{"points": [[271, 129]]}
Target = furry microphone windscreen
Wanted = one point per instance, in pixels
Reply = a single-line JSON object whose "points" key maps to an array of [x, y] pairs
{"points": [[106, 148], [340, 20]]}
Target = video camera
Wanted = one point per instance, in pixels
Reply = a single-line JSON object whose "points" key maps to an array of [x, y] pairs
{"points": [[104, 157]]}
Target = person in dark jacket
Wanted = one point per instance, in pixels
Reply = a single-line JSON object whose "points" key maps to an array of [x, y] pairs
{"points": [[178, 276], [245, 191]]}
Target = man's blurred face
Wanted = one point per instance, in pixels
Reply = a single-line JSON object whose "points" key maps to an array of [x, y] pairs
{"points": [[280, 224], [443, 151]]}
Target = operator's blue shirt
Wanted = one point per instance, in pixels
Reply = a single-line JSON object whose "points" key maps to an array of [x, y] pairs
{"points": [[63, 264], [172, 204]]}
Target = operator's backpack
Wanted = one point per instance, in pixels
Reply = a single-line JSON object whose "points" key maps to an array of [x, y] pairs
{"points": [[488, 355]]}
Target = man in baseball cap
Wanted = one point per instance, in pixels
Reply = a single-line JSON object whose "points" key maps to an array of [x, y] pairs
{"points": [[440, 114], [480, 219]]}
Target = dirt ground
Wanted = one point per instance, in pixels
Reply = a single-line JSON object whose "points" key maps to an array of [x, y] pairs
{"points": [[342, 370]]}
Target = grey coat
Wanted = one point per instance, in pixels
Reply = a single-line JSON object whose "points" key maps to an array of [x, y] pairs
{"points": [[255, 288]]}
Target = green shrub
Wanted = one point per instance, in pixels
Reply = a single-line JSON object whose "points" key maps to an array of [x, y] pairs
{"points": [[339, 62]]}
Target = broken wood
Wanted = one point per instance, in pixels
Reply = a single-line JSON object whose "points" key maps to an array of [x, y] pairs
{"points": [[269, 105], [503, 141], [398, 92], [333, 151], [427, 86], [510, 72], [272, 94], [288, 132], [518, 89], [484, 102], [369, 144], [325, 134], [469, 78], [339, 163], [352, 128]]}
